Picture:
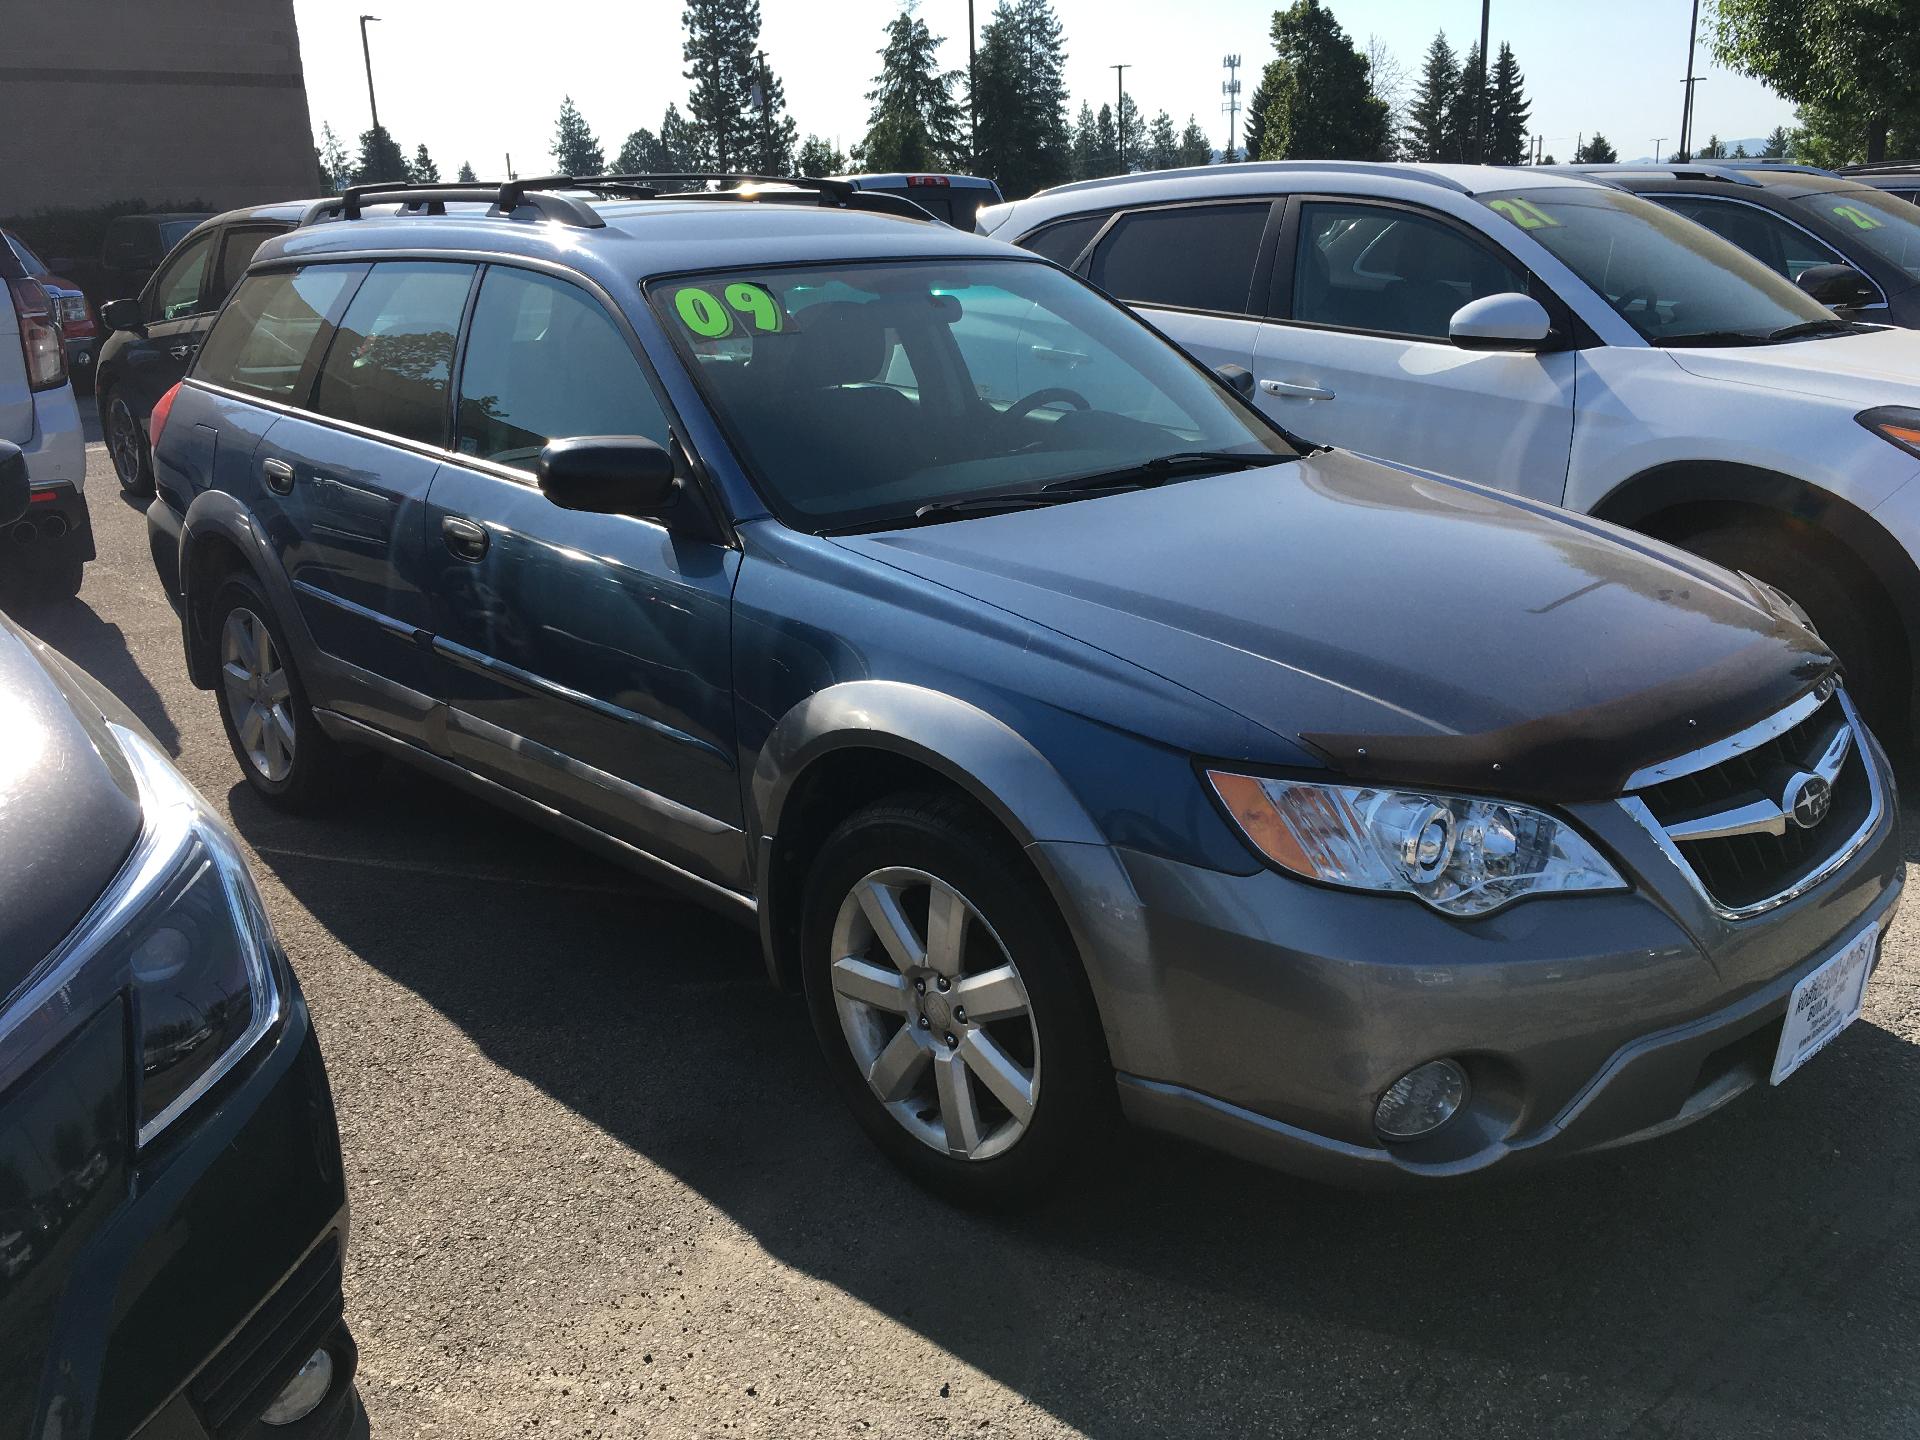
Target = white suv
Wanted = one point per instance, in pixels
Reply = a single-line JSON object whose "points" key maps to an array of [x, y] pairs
{"points": [[43, 552], [1548, 336]]}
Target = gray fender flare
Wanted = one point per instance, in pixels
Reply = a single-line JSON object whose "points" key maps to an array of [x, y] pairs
{"points": [[215, 515], [990, 761]]}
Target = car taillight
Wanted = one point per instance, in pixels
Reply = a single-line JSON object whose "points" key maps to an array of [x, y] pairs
{"points": [[157, 421], [40, 338]]}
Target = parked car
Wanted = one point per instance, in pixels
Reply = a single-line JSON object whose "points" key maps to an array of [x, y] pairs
{"points": [[43, 552], [134, 246], [1061, 725], [1846, 244], [174, 1213], [153, 338], [70, 308], [956, 199], [1550, 336], [1902, 179]]}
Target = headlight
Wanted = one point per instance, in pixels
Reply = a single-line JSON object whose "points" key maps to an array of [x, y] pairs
{"points": [[1461, 855], [195, 938], [1895, 424]]}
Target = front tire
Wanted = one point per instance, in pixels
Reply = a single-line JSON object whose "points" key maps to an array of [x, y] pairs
{"points": [[950, 1003], [127, 445], [287, 758]]}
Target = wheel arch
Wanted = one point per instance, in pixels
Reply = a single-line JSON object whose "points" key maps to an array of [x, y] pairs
{"points": [[1674, 499], [219, 537]]}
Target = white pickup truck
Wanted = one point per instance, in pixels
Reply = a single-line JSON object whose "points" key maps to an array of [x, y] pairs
{"points": [[43, 552]]}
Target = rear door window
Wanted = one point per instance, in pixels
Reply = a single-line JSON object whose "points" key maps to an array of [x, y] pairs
{"points": [[1392, 272], [391, 361], [177, 288], [1063, 243], [236, 253], [544, 361], [269, 338], [1188, 257], [1780, 245]]}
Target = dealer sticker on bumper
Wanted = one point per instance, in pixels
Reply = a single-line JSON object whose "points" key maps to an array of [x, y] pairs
{"points": [[1825, 1003]]}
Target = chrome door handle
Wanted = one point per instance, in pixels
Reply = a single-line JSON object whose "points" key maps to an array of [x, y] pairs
{"points": [[1294, 390], [181, 352], [278, 475], [467, 540]]}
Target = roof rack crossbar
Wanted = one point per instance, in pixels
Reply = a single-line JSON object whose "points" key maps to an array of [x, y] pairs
{"points": [[506, 198]]}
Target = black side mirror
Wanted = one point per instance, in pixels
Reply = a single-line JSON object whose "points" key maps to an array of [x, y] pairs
{"points": [[608, 475], [15, 494], [121, 315], [1838, 287], [1237, 378]]}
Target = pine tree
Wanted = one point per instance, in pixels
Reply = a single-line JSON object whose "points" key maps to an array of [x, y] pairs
{"points": [[640, 154], [915, 123], [1130, 136], [381, 159], [1425, 136], [1467, 113], [721, 41], [1163, 146], [1714, 149], [1595, 151], [1086, 142], [1253, 124], [1507, 132], [575, 151], [1778, 143], [336, 167], [466, 175], [1739, 153], [817, 157], [423, 171], [1023, 141], [680, 143], [1195, 147], [1321, 105], [1106, 143]]}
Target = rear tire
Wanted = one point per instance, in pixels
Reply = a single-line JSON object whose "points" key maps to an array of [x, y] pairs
{"points": [[287, 758], [1846, 610], [1034, 1039], [127, 444]]}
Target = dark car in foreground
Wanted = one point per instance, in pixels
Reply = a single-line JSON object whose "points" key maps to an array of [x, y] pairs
{"points": [[1069, 732], [1844, 241], [155, 335], [173, 1215]]}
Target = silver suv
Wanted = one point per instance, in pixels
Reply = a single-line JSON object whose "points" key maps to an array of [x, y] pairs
{"points": [[46, 549]]}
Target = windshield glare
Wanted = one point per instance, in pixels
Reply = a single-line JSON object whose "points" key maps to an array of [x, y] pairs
{"points": [[857, 394], [1884, 224], [1672, 280]]}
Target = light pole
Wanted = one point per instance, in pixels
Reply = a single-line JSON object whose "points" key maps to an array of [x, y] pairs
{"points": [[1480, 125], [1120, 114], [1686, 109], [973, 103], [367, 55], [1656, 148]]}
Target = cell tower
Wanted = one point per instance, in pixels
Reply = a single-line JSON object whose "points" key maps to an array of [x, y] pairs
{"points": [[1230, 87]]}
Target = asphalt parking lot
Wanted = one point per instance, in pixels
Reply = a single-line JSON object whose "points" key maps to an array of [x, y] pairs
{"points": [[600, 1187]]}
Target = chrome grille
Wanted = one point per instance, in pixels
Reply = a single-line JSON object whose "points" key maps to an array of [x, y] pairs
{"points": [[1757, 818]]}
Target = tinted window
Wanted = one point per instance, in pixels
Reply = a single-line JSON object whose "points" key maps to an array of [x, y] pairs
{"points": [[29, 261], [1195, 257], [176, 289], [545, 361], [1675, 282], [1885, 225], [1781, 246], [389, 364], [237, 253], [1063, 243], [1361, 267], [271, 334]]}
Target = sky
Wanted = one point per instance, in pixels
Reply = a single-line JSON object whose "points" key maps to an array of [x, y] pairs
{"points": [[482, 79]]}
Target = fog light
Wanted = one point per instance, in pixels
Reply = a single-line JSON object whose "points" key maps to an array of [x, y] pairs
{"points": [[1422, 1100], [303, 1392]]}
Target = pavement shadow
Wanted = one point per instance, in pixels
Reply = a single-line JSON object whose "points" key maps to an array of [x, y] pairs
{"points": [[1759, 1264], [99, 647]]}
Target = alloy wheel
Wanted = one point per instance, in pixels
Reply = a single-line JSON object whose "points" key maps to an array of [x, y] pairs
{"points": [[124, 443], [936, 1013], [259, 697]]}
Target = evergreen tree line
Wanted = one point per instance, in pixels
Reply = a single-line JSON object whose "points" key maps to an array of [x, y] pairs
{"points": [[1464, 112]]}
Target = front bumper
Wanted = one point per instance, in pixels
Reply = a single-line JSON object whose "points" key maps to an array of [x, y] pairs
{"points": [[1265, 1016], [178, 1300]]}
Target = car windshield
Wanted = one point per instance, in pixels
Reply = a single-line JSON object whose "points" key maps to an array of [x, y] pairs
{"points": [[1883, 223], [1675, 282], [865, 393]]}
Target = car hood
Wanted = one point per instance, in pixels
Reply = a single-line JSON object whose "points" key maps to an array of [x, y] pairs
{"points": [[1409, 629], [1881, 367], [68, 812]]}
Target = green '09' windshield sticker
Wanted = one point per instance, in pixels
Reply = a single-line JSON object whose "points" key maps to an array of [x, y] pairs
{"points": [[1525, 214], [712, 317], [1858, 218]]}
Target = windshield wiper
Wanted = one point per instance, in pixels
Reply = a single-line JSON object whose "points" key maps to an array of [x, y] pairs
{"points": [[1163, 468], [1810, 327], [1714, 337]]}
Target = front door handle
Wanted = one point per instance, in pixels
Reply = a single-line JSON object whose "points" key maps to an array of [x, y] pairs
{"points": [[278, 475], [464, 538], [1294, 390]]}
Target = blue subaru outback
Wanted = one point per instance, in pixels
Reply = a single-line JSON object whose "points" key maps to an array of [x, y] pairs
{"points": [[1079, 742]]}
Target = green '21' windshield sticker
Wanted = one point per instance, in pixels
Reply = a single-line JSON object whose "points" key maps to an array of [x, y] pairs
{"points": [[712, 317], [1525, 214], [1858, 218]]}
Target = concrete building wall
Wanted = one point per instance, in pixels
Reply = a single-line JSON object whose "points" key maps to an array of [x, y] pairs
{"points": [[165, 101]]}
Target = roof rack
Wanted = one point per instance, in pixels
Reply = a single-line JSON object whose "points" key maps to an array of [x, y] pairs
{"points": [[1881, 167], [540, 195], [1416, 172]]}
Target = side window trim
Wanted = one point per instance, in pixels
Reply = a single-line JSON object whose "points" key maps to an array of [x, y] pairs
{"points": [[1664, 197], [1262, 258], [309, 382], [300, 401], [1573, 334], [312, 382]]}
